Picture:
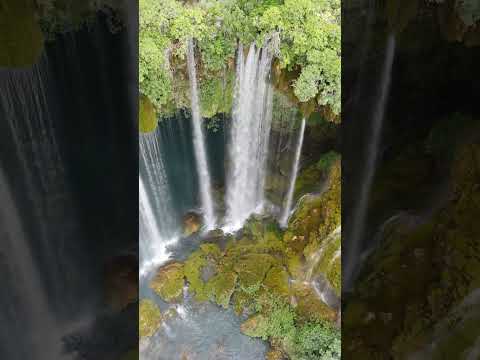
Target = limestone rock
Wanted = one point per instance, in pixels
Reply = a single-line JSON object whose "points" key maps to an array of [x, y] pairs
{"points": [[191, 223]]}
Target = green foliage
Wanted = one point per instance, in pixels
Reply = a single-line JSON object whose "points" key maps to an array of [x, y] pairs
{"points": [[317, 341], [309, 33], [311, 40], [277, 319]]}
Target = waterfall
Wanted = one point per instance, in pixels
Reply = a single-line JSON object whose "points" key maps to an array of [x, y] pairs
{"points": [[157, 221], [34, 157], [250, 131], [293, 177], [360, 210], [30, 310], [199, 144]]}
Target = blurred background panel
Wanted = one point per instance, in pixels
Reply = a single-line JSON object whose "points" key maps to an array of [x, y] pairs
{"points": [[411, 172], [68, 179]]}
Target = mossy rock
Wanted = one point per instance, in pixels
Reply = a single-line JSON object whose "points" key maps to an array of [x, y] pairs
{"points": [[168, 282], [311, 178], [221, 287], [309, 306], [254, 325], [207, 256], [319, 215], [276, 281], [252, 268], [21, 37], [329, 261], [150, 318], [242, 302], [147, 115]]}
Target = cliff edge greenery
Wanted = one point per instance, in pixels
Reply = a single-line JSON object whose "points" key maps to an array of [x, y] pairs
{"points": [[308, 48]]}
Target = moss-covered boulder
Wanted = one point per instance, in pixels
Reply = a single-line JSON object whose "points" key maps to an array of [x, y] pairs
{"points": [[309, 305], [20, 35], [207, 256], [168, 282], [319, 215], [221, 287], [326, 260], [313, 177], [150, 318], [147, 116], [252, 268], [277, 281], [253, 326]]}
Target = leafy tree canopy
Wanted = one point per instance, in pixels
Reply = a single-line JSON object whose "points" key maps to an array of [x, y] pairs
{"points": [[309, 33]]}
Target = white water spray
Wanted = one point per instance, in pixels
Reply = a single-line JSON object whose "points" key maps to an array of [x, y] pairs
{"points": [[293, 177], [153, 246], [157, 224], [359, 216], [250, 131], [199, 144]]}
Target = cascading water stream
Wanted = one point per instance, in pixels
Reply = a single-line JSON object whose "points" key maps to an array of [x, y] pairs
{"points": [[250, 131], [205, 184], [293, 177], [152, 245], [157, 222], [359, 216]]}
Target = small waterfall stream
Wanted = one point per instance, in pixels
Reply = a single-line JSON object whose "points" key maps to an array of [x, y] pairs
{"points": [[157, 221], [359, 216], [250, 131], [293, 177], [199, 144]]}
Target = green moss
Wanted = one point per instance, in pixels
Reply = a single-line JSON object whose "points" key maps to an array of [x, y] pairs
{"points": [[168, 283], [193, 268], [207, 255], [310, 179], [150, 318], [254, 326], [317, 216], [252, 268], [334, 276], [221, 287], [276, 281], [147, 116], [21, 36], [309, 306]]}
